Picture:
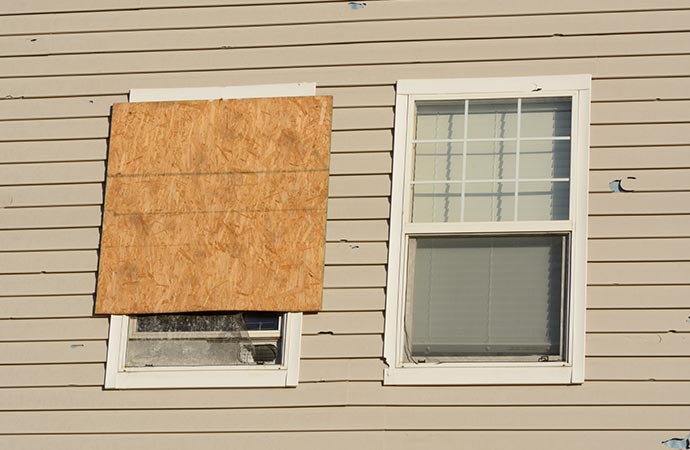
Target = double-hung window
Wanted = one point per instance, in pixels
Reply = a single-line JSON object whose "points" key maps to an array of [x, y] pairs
{"points": [[488, 231]]}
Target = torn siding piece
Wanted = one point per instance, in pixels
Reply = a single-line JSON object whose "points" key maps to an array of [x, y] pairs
{"points": [[215, 206]]}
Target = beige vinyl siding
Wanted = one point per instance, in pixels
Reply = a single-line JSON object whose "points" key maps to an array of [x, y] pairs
{"points": [[63, 63]]}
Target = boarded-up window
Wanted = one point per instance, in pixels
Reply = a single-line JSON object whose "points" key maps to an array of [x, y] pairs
{"points": [[215, 206]]}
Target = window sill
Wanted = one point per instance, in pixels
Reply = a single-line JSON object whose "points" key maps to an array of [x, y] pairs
{"points": [[220, 377], [516, 374]]}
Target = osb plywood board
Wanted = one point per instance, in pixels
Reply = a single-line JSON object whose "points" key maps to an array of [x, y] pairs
{"points": [[215, 206]]}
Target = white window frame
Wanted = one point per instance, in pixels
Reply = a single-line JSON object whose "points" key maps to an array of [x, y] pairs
{"points": [[569, 371], [118, 376]]}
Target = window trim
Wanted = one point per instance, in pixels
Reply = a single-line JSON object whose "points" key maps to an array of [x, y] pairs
{"points": [[117, 376], [572, 370]]}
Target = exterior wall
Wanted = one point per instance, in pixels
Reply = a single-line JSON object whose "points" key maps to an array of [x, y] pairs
{"points": [[60, 73]]}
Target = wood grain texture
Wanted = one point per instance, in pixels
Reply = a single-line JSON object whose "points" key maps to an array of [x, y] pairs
{"points": [[216, 206]]}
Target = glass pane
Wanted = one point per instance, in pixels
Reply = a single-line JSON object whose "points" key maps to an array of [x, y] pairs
{"points": [[490, 160], [438, 162], [544, 200], [440, 120], [478, 297], [491, 119], [544, 159], [546, 117], [161, 323], [437, 202], [489, 202], [213, 339]]}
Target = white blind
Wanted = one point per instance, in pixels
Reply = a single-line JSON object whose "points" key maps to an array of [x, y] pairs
{"points": [[475, 296]]}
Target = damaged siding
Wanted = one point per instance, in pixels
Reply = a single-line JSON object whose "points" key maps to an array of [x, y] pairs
{"points": [[62, 72]]}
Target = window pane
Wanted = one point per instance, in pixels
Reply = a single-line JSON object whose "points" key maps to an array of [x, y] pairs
{"points": [[478, 297], [544, 200], [490, 119], [489, 202], [485, 167], [544, 159], [546, 117], [439, 161], [490, 160], [214, 339], [437, 202], [440, 120], [205, 322]]}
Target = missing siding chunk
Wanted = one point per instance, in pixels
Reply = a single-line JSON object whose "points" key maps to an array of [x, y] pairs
{"points": [[356, 5], [617, 185], [678, 442]]}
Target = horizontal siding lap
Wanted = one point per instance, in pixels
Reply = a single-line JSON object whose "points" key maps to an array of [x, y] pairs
{"points": [[55, 172], [340, 393], [636, 369], [84, 374], [636, 158], [638, 321], [59, 239], [634, 273], [95, 106], [53, 306], [639, 203], [351, 418], [639, 226], [55, 151], [639, 344], [638, 297], [345, 440], [56, 217], [48, 262], [641, 112], [63, 195], [357, 230], [53, 352], [676, 249]]}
